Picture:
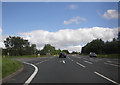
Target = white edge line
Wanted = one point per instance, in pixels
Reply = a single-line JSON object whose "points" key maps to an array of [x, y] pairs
{"points": [[106, 78], [33, 75], [80, 64]]}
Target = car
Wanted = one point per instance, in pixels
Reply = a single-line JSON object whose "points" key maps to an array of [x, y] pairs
{"points": [[93, 54], [62, 55]]}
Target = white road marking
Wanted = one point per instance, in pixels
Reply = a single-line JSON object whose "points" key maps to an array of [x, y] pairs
{"points": [[112, 64], [33, 75], [106, 78], [88, 62], [63, 61], [80, 64], [41, 62], [70, 59], [109, 61]]}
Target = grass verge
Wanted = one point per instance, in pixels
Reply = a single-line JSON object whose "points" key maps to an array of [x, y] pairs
{"points": [[109, 55], [10, 66], [28, 56]]}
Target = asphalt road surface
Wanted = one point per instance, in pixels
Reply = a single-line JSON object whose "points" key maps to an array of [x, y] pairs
{"points": [[73, 69]]}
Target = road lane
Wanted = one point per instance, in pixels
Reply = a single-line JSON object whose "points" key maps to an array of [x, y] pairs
{"points": [[21, 77], [73, 69], [55, 71], [99, 66], [28, 70]]}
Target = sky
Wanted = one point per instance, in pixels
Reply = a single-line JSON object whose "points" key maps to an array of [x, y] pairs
{"points": [[65, 25], [60, 0]]}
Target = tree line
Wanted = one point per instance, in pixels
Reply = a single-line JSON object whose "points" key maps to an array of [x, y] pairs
{"points": [[17, 46], [100, 47]]}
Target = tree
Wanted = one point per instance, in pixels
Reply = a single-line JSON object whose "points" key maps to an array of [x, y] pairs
{"points": [[58, 51], [75, 52], [101, 47], [111, 47], [48, 50], [94, 46], [33, 48], [66, 51], [18, 46], [118, 42]]}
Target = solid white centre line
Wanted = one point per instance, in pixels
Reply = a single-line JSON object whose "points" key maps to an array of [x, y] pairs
{"points": [[106, 78], [88, 62], [33, 75], [80, 64]]}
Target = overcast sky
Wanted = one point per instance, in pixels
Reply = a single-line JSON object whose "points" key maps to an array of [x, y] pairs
{"points": [[65, 25]]}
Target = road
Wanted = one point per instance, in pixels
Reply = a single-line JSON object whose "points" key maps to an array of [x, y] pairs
{"points": [[73, 69]]}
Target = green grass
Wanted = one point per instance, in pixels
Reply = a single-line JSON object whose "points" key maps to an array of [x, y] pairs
{"points": [[9, 66], [24, 56], [109, 55], [28, 56]]}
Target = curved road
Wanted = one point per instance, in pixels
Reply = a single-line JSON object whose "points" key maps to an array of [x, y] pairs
{"points": [[73, 69]]}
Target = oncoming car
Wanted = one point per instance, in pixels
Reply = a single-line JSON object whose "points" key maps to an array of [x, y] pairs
{"points": [[93, 54], [62, 55]]}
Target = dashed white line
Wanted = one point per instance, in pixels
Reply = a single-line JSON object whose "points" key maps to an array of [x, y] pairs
{"points": [[33, 75], [106, 78], [70, 59], [80, 64], [112, 64], [63, 61], [88, 62], [109, 61], [41, 62]]}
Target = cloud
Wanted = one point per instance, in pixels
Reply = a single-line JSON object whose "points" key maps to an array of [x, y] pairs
{"points": [[110, 14], [0, 31], [75, 19], [1, 39], [70, 39], [73, 7]]}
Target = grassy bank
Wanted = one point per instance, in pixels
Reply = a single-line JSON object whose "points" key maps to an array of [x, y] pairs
{"points": [[9, 66], [109, 56], [28, 56]]}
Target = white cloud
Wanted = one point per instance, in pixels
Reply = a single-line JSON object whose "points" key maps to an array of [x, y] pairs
{"points": [[75, 19], [1, 39], [0, 31], [73, 7], [111, 14], [68, 38]]}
